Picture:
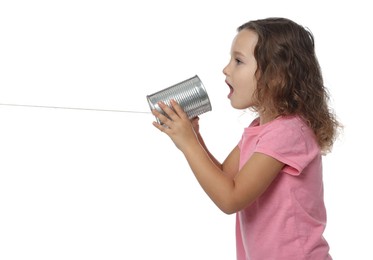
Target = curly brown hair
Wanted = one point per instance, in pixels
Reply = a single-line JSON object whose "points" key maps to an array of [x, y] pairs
{"points": [[289, 77]]}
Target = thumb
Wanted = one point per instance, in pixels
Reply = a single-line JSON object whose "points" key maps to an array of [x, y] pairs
{"points": [[195, 123]]}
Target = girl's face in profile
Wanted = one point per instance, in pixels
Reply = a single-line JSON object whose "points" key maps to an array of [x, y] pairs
{"points": [[240, 71]]}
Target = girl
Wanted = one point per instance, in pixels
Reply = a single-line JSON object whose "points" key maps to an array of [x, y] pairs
{"points": [[273, 178]]}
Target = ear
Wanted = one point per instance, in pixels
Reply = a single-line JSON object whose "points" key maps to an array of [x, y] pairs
{"points": [[258, 74]]}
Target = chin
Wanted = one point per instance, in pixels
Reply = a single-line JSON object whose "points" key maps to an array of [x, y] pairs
{"points": [[240, 106]]}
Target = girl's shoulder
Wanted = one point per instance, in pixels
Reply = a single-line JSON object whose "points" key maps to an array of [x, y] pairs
{"points": [[288, 121], [281, 123], [291, 131], [289, 140]]}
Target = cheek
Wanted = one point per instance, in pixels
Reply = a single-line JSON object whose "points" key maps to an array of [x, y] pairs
{"points": [[244, 96], [251, 87], [247, 83]]}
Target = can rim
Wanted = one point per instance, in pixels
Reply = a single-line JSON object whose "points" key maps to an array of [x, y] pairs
{"points": [[204, 89]]}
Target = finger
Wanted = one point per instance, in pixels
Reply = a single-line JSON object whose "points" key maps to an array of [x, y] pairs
{"points": [[169, 111], [162, 118], [160, 127], [178, 109], [195, 119], [195, 124]]}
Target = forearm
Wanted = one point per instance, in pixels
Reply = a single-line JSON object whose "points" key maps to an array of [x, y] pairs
{"points": [[218, 186], [213, 159]]}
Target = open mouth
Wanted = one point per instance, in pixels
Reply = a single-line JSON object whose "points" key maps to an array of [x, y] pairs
{"points": [[230, 89]]}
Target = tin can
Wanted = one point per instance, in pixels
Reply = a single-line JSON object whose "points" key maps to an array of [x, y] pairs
{"points": [[190, 94]]}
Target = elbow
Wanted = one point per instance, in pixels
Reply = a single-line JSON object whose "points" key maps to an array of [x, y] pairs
{"points": [[229, 207], [228, 211]]}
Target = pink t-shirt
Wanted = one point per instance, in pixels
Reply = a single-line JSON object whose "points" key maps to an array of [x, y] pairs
{"points": [[288, 220]]}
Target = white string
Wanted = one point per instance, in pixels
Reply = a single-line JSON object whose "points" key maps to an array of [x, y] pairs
{"points": [[76, 108]]}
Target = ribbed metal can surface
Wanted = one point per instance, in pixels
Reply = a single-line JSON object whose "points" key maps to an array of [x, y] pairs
{"points": [[190, 94]]}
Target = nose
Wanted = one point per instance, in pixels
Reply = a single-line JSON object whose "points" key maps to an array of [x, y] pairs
{"points": [[225, 70]]}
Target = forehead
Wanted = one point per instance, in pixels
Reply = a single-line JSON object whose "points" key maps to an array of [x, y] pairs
{"points": [[245, 41]]}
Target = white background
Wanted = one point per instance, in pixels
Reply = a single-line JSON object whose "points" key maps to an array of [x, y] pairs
{"points": [[105, 185]]}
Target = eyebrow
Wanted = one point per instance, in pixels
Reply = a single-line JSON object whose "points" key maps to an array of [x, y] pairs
{"points": [[238, 53]]}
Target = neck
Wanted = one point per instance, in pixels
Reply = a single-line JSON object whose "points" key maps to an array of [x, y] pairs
{"points": [[265, 118]]}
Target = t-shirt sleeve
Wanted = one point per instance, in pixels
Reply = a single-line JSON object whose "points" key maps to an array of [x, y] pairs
{"points": [[290, 142]]}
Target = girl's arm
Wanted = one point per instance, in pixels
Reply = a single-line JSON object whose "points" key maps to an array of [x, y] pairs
{"points": [[229, 194], [195, 124], [230, 164], [232, 195]]}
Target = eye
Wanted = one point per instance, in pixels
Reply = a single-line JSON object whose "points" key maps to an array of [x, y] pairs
{"points": [[238, 61]]}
